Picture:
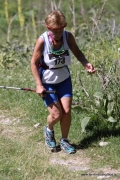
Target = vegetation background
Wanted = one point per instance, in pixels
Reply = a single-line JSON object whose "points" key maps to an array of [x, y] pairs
{"points": [[95, 125]]}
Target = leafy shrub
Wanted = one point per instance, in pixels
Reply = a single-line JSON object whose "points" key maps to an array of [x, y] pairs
{"points": [[102, 106], [12, 55]]}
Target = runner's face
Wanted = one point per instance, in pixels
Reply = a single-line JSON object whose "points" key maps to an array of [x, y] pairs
{"points": [[57, 34]]}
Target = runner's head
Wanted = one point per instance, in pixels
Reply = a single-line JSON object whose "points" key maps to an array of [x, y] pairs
{"points": [[56, 23], [55, 20]]}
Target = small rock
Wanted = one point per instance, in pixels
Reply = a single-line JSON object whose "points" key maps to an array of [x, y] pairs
{"points": [[103, 177], [36, 125], [103, 143]]}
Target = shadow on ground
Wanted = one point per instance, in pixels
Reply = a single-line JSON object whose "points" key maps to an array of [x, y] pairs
{"points": [[96, 136]]}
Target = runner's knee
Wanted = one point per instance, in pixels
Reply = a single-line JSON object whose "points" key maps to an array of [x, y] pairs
{"points": [[66, 112], [56, 116]]}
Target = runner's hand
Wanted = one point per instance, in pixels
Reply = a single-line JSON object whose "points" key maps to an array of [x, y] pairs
{"points": [[90, 68], [40, 90]]}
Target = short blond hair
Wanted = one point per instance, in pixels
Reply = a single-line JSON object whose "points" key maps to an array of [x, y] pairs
{"points": [[55, 19]]}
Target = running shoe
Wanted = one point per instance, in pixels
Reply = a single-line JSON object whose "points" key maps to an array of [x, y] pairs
{"points": [[65, 145], [49, 138]]}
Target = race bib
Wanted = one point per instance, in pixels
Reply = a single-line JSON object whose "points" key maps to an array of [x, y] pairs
{"points": [[57, 59]]}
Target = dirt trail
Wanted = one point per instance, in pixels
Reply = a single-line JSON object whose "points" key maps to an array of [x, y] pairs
{"points": [[76, 162]]}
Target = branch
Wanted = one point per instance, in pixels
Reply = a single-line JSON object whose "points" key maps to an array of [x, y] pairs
{"points": [[83, 87]]}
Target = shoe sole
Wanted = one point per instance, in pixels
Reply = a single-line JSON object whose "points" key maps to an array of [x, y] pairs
{"points": [[72, 152]]}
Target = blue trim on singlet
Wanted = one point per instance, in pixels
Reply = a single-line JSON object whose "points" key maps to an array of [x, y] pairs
{"points": [[42, 70]]}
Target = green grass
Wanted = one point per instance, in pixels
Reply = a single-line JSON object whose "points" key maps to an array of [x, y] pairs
{"points": [[23, 154]]}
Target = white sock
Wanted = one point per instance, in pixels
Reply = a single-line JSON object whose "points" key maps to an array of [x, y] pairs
{"points": [[64, 139], [49, 130]]}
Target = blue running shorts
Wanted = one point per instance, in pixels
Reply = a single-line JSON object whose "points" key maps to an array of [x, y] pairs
{"points": [[63, 89]]}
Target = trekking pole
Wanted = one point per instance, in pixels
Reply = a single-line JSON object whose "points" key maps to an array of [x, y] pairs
{"points": [[27, 89]]}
